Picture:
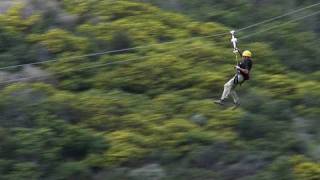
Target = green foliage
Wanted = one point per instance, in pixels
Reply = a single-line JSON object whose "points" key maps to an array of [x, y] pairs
{"points": [[125, 146], [47, 148], [297, 51], [14, 21], [73, 170], [110, 115], [58, 41], [26, 170], [280, 169], [120, 40], [307, 171]]}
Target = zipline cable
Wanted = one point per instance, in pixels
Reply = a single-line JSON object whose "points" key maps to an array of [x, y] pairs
{"points": [[119, 62], [165, 43], [283, 24], [112, 51], [134, 59], [97, 65], [44, 76], [278, 17]]}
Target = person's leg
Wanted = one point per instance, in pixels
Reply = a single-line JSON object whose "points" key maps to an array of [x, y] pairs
{"points": [[235, 97], [233, 92], [227, 88]]}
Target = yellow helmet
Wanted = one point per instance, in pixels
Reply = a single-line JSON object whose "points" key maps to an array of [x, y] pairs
{"points": [[247, 53]]}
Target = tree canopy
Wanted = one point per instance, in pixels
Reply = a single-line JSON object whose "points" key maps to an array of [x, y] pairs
{"points": [[148, 111]]}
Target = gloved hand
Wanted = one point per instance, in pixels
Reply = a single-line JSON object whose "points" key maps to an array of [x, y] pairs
{"points": [[237, 67]]}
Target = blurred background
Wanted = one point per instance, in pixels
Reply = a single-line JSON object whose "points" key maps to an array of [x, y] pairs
{"points": [[124, 89]]}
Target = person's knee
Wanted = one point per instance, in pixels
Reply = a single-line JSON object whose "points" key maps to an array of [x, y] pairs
{"points": [[227, 84]]}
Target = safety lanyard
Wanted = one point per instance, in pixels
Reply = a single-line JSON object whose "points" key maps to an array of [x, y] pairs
{"points": [[234, 41]]}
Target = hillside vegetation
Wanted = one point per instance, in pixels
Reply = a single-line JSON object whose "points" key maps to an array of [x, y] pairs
{"points": [[296, 49], [148, 112]]}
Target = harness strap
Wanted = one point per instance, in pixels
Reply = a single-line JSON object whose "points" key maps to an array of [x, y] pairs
{"points": [[235, 80]]}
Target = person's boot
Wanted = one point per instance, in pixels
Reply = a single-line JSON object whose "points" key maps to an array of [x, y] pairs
{"points": [[220, 102]]}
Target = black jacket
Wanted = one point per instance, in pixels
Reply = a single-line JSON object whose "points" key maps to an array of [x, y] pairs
{"points": [[246, 64]]}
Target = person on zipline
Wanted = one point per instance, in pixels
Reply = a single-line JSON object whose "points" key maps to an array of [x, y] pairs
{"points": [[243, 74]]}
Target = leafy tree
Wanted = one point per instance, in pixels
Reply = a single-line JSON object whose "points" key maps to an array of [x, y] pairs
{"points": [[112, 115]]}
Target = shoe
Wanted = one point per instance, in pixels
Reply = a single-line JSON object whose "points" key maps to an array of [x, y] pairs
{"points": [[220, 102], [236, 105]]}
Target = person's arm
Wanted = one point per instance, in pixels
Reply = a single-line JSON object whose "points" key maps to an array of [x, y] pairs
{"points": [[245, 70]]}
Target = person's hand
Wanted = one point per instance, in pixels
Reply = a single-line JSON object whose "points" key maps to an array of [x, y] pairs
{"points": [[237, 67]]}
